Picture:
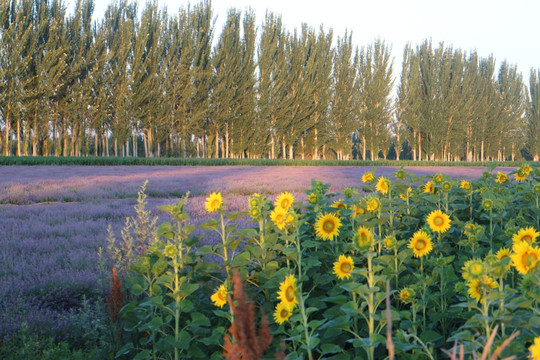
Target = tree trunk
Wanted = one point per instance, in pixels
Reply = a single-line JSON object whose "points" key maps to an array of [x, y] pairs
{"points": [[482, 150], [216, 155], [302, 144], [273, 148], [291, 155], [7, 150], [226, 142], [419, 147], [18, 132], [316, 146], [364, 149], [284, 150]]}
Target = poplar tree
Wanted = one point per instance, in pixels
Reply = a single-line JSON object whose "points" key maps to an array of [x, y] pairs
{"points": [[533, 115]]}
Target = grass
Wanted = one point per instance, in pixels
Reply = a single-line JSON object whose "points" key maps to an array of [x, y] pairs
{"points": [[122, 161]]}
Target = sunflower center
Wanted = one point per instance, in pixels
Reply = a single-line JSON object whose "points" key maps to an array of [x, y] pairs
{"points": [[420, 244], [222, 296], [329, 226], [404, 294], [285, 203], [439, 221], [527, 238], [476, 269], [346, 267], [290, 294], [215, 203], [284, 313], [529, 259], [279, 218]]}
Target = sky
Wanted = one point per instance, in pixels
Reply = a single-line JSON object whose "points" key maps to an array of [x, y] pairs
{"points": [[506, 29]]}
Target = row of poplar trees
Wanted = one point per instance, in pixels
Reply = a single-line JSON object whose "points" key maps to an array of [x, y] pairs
{"points": [[153, 83]]}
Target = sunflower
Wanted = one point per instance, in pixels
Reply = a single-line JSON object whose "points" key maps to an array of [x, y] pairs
{"points": [[487, 204], [438, 221], [536, 188], [438, 178], [406, 295], [406, 195], [469, 229], [287, 292], [525, 257], [343, 267], [327, 226], [535, 349], [503, 253], [446, 186], [170, 251], [367, 177], [390, 242], [501, 177], [383, 185], [284, 200], [312, 198], [473, 269], [283, 313], [400, 174], [465, 185], [429, 187], [479, 287], [254, 201], [420, 243], [526, 169], [520, 176], [220, 296], [357, 211], [364, 237], [373, 204], [254, 212], [528, 235], [213, 202], [278, 217], [339, 205]]}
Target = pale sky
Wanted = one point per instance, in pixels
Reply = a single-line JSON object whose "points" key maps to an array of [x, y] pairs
{"points": [[507, 29]]}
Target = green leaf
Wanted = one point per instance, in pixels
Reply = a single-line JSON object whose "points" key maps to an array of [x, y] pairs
{"points": [[124, 350], [143, 355], [430, 336], [211, 224], [165, 230], [198, 319]]}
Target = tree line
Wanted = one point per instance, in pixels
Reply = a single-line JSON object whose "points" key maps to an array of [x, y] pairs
{"points": [[153, 83]]}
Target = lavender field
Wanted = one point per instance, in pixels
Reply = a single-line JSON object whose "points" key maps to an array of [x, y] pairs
{"points": [[53, 219]]}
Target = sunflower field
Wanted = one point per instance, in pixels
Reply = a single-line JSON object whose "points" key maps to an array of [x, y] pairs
{"points": [[403, 267]]}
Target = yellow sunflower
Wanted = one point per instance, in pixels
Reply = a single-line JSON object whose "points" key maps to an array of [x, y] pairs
{"points": [[473, 269], [420, 243], [390, 242], [213, 202], [357, 211], [469, 229], [406, 194], [527, 235], [343, 267], [287, 292], [503, 253], [327, 226], [278, 217], [220, 296], [480, 287], [383, 185], [520, 176], [406, 295], [429, 187], [254, 201], [438, 221], [312, 198], [282, 313], [525, 257], [465, 185], [438, 178], [373, 204], [338, 205], [367, 177], [254, 212], [535, 349], [487, 204], [363, 237], [501, 177], [526, 169], [284, 200]]}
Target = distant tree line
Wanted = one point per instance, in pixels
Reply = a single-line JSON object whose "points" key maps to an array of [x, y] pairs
{"points": [[153, 83]]}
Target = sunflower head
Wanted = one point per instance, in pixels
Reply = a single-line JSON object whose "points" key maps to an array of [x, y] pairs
{"points": [[407, 295], [525, 257], [349, 192], [390, 242], [343, 267], [536, 188], [503, 253], [339, 204], [446, 186], [213, 202], [170, 251], [364, 238], [219, 298], [279, 217], [438, 221], [473, 269], [528, 235], [438, 178], [479, 288], [429, 187], [534, 349], [470, 229], [282, 313], [520, 176], [373, 204], [501, 177], [254, 201], [357, 210], [420, 243], [327, 226], [284, 200], [400, 174], [255, 212], [368, 177], [312, 198], [526, 169], [383, 185], [465, 185], [287, 293], [487, 204]]}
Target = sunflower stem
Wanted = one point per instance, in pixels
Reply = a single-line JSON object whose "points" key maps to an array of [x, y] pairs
{"points": [[371, 310], [301, 304]]}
